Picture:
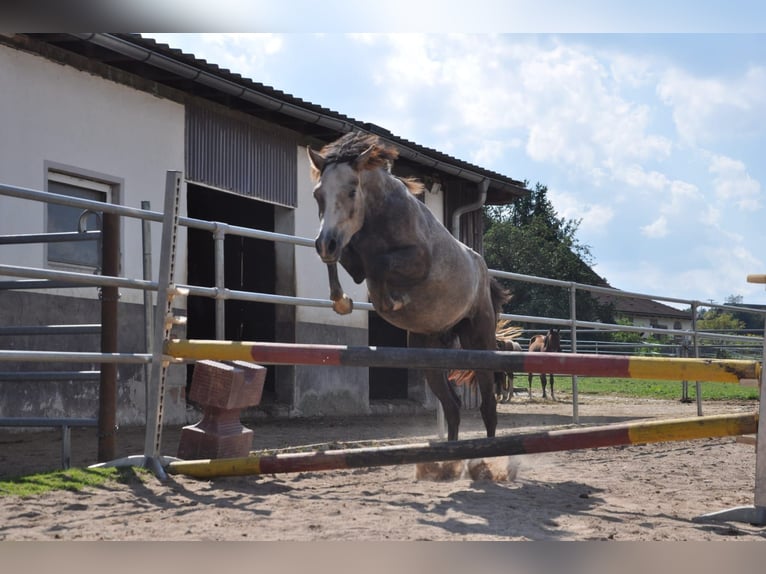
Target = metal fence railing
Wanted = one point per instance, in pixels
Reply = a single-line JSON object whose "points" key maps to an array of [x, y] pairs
{"points": [[575, 329]]}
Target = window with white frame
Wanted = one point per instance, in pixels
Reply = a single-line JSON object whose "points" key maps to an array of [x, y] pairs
{"points": [[63, 218]]}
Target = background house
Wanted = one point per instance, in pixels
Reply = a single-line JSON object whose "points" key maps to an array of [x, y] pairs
{"points": [[104, 116], [646, 313]]}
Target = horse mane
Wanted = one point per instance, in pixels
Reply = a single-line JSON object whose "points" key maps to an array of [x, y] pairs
{"points": [[414, 185], [349, 147]]}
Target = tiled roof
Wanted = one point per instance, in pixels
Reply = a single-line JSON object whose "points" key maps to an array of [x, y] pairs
{"points": [[641, 307], [159, 62]]}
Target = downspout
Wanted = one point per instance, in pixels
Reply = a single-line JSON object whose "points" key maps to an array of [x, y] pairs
{"points": [[478, 204]]}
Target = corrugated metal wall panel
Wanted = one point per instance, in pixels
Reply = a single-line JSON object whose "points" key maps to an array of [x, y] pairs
{"points": [[233, 154]]}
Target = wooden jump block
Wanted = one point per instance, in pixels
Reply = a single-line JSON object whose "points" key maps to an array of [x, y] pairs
{"points": [[222, 390]]}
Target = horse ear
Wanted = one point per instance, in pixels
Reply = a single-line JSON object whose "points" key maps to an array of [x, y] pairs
{"points": [[361, 161], [315, 159]]}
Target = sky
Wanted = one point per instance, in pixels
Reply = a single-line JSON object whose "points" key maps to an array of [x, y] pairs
{"points": [[648, 132]]}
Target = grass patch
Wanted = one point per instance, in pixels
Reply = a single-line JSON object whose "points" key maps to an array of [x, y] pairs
{"points": [[73, 479], [656, 389]]}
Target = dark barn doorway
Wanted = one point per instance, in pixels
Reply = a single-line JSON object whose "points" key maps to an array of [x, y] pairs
{"points": [[386, 383], [249, 265]]}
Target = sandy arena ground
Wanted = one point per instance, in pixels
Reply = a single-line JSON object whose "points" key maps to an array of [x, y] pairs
{"points": [[636, 493]]}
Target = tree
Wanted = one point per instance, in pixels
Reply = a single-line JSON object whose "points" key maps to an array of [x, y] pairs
{"points": [[749, 320], [529, 237], [717, 320]]}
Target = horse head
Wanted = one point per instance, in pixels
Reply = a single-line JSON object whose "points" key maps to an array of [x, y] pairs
{"points": [[340, 200], [337, 172]]}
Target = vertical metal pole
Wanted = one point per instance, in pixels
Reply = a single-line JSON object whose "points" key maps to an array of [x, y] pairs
{"points": [[697, 386], [682, 352], [219, 236], [107, 402], [146, 240], [760, 445], [573, 318], [163, 319], [66, 446]]}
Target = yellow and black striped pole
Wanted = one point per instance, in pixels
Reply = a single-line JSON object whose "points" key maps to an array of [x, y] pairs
{"points": [[642, 432]]}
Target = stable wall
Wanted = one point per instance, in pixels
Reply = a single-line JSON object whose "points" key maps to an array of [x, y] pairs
{"points": [[324, 390], [56, 116]]}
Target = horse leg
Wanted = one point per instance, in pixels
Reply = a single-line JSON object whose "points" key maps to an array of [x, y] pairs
{"points": [[341, 303], [440, 386], [553, 397], [544, 382], [499, 385], [530, 376], [479, 333]]}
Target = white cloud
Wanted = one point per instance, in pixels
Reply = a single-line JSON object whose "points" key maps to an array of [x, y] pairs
{"points": [[733, 184], [564, 101], [594, 218], [708, 108], [491, 152], [637, 176], [657, 229]]}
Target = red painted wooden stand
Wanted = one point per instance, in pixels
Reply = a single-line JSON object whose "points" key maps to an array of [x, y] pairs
{"points": [[222, 390]]}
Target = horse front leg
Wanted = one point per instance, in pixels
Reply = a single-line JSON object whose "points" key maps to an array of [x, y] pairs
{"points": [[544, 382], [398, 268], [553, 397], [341, 303], [530, 377]]}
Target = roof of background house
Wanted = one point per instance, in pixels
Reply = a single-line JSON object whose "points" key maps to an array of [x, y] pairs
{"points": [[157, 62], [641, 307]]}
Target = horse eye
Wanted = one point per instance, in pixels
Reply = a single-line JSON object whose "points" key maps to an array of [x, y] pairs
{"points": [[352, 193]]}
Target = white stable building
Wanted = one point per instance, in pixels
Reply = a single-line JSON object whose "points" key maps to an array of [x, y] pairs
{"points": [[104, 117]]}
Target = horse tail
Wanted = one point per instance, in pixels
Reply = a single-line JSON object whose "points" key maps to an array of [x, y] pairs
{"points": [[506, 332], [461, 377], [500, 295]]}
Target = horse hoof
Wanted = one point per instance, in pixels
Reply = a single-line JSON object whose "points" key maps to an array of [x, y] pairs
{"points": [[343, 306]]}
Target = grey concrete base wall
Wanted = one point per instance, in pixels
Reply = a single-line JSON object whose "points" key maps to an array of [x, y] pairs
{"points": [[77, 398], [330, 390]]}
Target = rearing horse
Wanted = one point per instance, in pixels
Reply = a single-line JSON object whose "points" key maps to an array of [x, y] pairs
{"points": [[419, 277]]}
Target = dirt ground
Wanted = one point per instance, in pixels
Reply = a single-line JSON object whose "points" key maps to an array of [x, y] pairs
{"points": [[636, 493]]}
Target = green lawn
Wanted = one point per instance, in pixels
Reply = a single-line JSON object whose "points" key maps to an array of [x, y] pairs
{"points": [[74, 479], [654, 389]]}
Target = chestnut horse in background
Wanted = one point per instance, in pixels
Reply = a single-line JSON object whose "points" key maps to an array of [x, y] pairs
{"points": [[548, 343]]}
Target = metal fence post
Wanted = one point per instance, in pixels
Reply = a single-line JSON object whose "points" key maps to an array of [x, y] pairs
{"points": [[146, 240], [219, 237], [107, 402], [573, 318]]}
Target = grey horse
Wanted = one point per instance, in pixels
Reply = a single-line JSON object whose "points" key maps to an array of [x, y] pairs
{"points": [[419, 277]]}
